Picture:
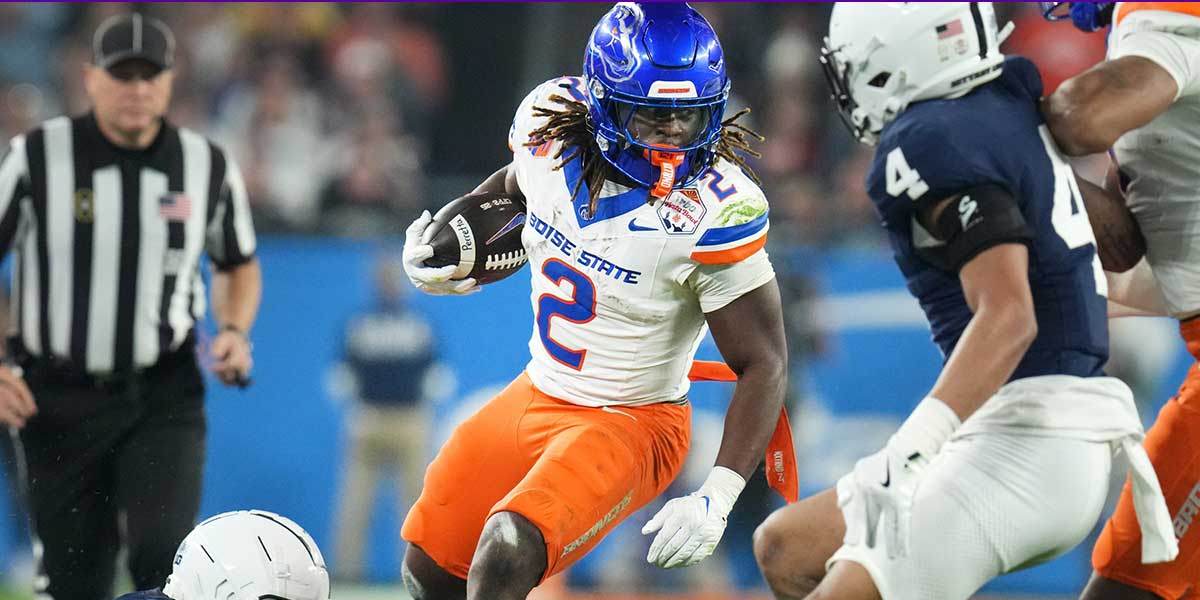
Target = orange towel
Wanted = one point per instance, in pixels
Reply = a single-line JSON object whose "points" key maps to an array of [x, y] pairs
{"points": [[781, 468]]}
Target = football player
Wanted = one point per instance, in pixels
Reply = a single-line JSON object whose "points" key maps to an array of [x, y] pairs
{"points": [[1005, 463], [245, 555], [1143, 103], [643, 228]]}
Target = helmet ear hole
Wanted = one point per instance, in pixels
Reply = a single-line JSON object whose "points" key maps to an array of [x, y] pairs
{"points": [[880, 80]]}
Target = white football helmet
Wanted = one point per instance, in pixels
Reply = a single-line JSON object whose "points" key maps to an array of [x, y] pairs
{"points": [[248, 555], [881, 57]]}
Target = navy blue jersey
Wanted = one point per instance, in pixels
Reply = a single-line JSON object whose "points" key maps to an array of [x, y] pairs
{"points": [[995, 136]]}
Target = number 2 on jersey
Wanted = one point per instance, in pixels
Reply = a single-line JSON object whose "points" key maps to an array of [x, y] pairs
{"points": [[580, 308]]}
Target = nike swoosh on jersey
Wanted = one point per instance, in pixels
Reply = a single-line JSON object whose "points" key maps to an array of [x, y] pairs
{"points": [[633, 226]]}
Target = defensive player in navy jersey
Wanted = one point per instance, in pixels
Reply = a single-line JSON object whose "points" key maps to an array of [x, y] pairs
{"points": [[1005, 462], [245, 555]]}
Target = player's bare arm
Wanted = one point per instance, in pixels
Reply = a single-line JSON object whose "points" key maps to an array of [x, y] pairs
{"points": [[749, 334], [996, 286], [1090, 111]]}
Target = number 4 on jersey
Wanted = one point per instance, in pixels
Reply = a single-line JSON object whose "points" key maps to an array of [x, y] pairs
{"points": [[901, 178]]}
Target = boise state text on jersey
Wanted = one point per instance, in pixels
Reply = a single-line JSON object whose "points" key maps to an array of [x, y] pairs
{"points": [[995, 136]]}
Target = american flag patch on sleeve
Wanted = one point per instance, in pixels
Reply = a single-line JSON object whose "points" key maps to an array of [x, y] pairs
{"points": [[175, 207]]}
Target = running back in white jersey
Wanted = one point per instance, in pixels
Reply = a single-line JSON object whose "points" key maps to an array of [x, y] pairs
{"points": [[1162, 158], [619, 297]]}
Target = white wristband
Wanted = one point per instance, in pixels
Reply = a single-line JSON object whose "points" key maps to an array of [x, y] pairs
{"points": [[931, 423], [723, 487]]}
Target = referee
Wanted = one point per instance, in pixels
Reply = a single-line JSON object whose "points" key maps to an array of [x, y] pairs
{"points": [[107, 215]]}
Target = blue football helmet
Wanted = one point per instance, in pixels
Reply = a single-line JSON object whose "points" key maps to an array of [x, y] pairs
{"points": [[657, 89], [1087, 16]]}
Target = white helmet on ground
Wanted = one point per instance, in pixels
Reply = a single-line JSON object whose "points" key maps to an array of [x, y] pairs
{"points": [[881, 57], [248, 555]]}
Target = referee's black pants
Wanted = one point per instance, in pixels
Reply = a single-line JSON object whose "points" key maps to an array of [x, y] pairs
{"points": [[113, 459]]}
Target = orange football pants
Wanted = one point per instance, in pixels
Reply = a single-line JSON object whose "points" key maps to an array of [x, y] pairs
{"points": [[573, 471], [1173, 444]]}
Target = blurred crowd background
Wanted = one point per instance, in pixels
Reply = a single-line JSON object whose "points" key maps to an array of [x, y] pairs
{"points": [[348, 119]]}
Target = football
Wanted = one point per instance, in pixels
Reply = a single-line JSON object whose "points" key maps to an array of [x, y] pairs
{"points": [[481, 234]]}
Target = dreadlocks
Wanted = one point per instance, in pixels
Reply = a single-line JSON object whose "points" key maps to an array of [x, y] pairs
{"points": [[570, 126]]}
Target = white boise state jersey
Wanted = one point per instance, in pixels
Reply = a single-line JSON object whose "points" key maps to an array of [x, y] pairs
{"points": [[1162, 158], [619, 297]]}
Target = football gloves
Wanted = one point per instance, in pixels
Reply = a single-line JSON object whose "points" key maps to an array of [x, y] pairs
{"points": [[690, 527], [879, 492], [431, 280]]}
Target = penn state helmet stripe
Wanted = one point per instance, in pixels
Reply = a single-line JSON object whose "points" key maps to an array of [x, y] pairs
{"points": [[980, 33]]}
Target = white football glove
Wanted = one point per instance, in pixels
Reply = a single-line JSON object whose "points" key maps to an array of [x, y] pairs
{"points": [[690, 527], [431, 280], [879, 491]]}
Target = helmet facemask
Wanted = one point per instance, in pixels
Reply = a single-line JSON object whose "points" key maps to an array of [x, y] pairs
{"points": [[633, 131], [879, 94]]}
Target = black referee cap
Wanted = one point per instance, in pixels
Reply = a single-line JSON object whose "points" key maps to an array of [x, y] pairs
{"points": [[123, 37]]}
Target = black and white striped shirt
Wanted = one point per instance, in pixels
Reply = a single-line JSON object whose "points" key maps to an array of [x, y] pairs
{"points": [[107, 241]]}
